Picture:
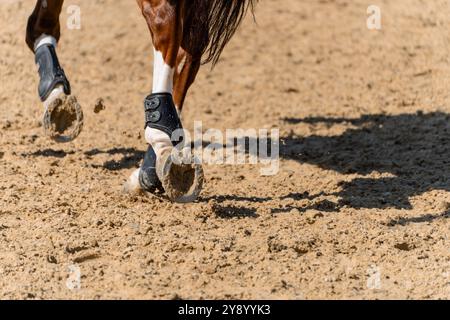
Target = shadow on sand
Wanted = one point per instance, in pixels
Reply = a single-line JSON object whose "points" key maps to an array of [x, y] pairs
{"points": [[413, 149]]}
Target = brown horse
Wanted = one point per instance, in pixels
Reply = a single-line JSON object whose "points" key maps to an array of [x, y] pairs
{"points": [[185, 34]]}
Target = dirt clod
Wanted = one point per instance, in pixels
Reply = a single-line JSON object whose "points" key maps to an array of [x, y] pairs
{"points": [[99, 105]]}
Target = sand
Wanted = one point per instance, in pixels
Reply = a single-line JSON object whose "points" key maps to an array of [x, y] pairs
{"points": [[358, 210]]}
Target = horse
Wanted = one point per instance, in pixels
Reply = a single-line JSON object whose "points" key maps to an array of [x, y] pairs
{"points": [[186, 34]]}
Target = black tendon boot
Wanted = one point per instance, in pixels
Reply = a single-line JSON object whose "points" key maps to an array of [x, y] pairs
{"points": [[63, 117], [50, 72]]}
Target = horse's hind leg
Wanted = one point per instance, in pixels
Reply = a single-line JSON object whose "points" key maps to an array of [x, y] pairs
{"points": [[182, 182], [186, 70], [63, 118]]}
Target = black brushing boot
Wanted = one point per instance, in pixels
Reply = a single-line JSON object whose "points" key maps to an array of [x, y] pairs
{"points": [[180, 182], [50, 72], [63, 117]]}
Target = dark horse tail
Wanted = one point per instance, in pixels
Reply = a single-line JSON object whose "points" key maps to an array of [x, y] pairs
{"points": [[210, 24]]}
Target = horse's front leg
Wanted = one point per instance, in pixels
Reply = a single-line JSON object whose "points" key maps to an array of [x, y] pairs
{"points": [[180, 180], [63, 118]]}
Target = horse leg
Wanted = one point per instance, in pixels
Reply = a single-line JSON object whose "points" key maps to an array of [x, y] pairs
{"points": [[182, 182], [186, 70], [63, 118]]}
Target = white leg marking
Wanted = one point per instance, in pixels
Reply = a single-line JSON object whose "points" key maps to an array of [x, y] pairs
{"points": [[162, 74], [133, 185], [45, 39]]}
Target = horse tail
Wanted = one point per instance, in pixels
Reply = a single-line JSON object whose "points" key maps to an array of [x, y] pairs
{"points": [[210, 24]]}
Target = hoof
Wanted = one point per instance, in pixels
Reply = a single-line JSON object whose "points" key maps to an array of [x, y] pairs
{"points": [[182, 183], [63, 119], [132, 186]]}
